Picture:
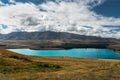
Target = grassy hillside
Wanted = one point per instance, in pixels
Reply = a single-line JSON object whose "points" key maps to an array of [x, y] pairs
{"points": [[14, 66]]}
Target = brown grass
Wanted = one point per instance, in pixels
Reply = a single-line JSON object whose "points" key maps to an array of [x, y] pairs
{"points": [[20, 67]]}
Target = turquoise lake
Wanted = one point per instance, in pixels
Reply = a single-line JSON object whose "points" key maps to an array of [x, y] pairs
{"points": [[82, 53]]}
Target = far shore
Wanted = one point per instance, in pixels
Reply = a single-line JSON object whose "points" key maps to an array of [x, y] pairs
{"points": [[59, 44]]}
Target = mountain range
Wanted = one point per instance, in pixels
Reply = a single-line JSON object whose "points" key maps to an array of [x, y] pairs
{"points": [[49, 35]]}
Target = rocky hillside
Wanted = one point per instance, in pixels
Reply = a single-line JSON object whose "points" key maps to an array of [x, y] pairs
{"points": [[48, 35]]}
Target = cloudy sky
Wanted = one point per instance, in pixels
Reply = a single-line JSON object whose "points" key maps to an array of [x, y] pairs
{"points": [[84, 17]]}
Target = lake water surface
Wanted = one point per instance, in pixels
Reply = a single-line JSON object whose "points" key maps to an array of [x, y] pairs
{"points": [[82, 53]]}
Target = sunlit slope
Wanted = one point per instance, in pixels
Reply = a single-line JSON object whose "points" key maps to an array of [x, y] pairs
{"points": [[11, 62], [14, 66]]}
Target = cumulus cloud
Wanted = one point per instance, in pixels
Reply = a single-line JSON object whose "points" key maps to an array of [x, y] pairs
{"points": [[12, 1], [74, 16], [1, 3]]}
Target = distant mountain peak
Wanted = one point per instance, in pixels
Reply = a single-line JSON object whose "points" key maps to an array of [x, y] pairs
{"points": [[48, 35]]}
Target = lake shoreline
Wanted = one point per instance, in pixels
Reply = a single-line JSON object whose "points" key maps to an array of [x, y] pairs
{"points": [[75, 52], [59, 44], [55, 68], [63, 49]]}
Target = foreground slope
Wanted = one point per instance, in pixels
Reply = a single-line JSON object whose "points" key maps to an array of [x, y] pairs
{"points": [[14, 66]]}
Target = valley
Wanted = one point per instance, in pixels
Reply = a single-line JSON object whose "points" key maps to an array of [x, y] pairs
{"points": [[14, 66], [56, 40]]}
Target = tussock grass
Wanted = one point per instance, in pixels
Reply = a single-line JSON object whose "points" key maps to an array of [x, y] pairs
{"points": [[14, 66]]}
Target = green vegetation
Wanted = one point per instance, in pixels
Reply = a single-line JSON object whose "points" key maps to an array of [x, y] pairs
{"points": [[14, 66], [14, 63], [82, 45]]}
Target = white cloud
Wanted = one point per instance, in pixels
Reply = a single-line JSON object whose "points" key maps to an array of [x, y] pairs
{"points": [[12, 1], [1, 3], [61, 16]]}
